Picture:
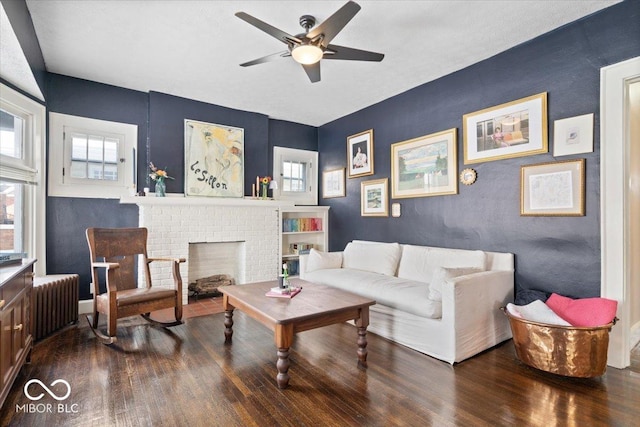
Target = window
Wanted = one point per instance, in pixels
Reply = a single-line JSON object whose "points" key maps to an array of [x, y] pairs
{"points": [[22, 194], [297, 175], [91, 158], [294, 176], [11, 225]]}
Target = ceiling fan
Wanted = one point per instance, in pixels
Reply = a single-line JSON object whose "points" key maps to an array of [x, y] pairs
{"points": [[313, 45]]}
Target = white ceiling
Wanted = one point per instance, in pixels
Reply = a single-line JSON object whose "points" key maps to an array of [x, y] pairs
{"points": [[192, 48], [14, 66]]}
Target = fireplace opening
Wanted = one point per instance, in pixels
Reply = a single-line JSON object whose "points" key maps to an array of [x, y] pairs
{"points": [[213, 265]]}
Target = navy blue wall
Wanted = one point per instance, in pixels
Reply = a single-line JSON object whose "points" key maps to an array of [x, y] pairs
{"points": [[166, 135], [560, 254], [68, 217], [160, 120]]}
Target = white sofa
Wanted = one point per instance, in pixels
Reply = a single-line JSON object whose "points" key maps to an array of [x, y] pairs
{"points": [[408, 280]]}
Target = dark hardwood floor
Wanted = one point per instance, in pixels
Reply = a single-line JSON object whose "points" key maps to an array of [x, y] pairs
{"points": [[187, 376]]}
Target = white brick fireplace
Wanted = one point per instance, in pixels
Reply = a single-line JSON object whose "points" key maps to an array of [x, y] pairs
{"points": [[175, 222]]}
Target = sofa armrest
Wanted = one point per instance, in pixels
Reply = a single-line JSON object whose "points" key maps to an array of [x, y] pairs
{"points": [[471, 306], [303, 261], [302, 267]]}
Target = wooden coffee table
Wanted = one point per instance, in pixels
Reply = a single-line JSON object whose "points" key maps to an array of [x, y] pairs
{"points": [[315, 306]]}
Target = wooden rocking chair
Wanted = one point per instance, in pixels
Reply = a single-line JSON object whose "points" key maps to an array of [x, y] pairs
{"points": [[117, 252]]}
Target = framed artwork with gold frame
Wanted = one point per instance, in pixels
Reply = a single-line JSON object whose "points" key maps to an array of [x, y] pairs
{"points": [[333, 183], [515, 129], [425, 166], [553, 189], [374, 199], [360, 154]]}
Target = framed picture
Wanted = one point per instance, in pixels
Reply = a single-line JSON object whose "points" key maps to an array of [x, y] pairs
{"points": [[360, 154], [333, 183], [374, 200], [553, 189], [515, 129], [214, 160], [425, 166], [573, 135]]}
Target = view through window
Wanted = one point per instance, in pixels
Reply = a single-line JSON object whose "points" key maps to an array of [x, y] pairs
{"points": [[11, 208]]}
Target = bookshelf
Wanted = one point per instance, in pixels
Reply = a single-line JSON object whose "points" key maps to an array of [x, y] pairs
{"points": [[302, 228]]}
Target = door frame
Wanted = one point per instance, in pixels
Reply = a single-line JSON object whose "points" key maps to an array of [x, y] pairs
{"points": [[614, 202]]}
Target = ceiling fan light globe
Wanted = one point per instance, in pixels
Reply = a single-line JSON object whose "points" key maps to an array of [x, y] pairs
{"points": [[306, 54]]}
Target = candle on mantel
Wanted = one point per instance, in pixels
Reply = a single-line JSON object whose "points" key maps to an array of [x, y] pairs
{"points": [[258, 185], [253, 190]]}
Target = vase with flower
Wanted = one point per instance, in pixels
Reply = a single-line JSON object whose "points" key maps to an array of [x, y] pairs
{"points": [[159, 176], [264, 183]]}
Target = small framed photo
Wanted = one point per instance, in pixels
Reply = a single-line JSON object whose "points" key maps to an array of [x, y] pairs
{"points": [[573, 135], [515, 129], [553, 189], [425, 166], [333, 183], [360, 154], [374, 200]]}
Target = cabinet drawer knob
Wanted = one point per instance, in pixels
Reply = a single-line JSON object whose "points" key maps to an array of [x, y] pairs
{"points": [[17, 327], [1, 303]]}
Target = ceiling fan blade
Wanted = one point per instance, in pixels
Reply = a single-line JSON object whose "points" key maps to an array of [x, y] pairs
{"points": [[335, 23], [267, 58], [313, 71], [347, 53], [269, 29]]}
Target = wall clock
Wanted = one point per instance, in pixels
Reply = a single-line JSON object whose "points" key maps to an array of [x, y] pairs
{"points": [[468, 176]]}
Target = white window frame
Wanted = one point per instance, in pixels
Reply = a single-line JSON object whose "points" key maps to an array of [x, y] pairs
{"points": [[60, 182], [309, 197], [30, 171]]}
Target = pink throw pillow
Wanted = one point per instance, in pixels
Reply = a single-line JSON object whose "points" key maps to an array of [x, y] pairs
{"points": [[583, 311]]}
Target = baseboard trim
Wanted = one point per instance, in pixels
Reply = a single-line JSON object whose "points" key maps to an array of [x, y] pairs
{"points": [[85, 306]]}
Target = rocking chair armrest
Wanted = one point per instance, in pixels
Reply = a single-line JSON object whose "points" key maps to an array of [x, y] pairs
{"points": [[178, 260], [110, 278], [106, 265]]}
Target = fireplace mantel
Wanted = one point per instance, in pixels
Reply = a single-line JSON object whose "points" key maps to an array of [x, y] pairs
{"points": [[180, 200], [175, 222]]}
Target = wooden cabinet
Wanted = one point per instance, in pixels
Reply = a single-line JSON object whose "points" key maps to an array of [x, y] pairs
{"points": [[302, 227], [16, 322]]}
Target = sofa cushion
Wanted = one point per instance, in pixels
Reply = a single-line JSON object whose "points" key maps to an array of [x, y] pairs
{"points": [[319, 260], [442, 274], [419, 262], [401, 294], [537, 311], [584, 311], [375, 257]]}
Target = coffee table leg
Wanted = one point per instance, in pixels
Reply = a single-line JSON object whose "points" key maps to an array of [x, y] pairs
{"points": [[283, 368], [228, 323], [361, 323], [362, 347], [284, 340]]}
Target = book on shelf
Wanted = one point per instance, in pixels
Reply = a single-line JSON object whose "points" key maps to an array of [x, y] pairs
{"points": [[293, 267], [10, 258], [300, 248], [293, 225]]}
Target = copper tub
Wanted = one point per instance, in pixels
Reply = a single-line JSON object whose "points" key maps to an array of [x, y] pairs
{"points": [[563, 350]]}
